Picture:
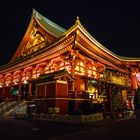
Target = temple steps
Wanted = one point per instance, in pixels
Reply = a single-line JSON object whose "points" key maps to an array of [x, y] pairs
{"points": [[11, 108]]}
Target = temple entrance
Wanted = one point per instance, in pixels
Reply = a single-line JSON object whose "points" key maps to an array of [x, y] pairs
{"points": [[24, 90], [114, 104]]}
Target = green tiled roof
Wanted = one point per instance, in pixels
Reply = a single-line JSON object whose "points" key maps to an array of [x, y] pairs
{"points": [[48, 25]]}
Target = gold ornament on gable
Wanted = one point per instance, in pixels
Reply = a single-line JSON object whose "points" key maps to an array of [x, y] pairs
{"points": [[34, 43]]}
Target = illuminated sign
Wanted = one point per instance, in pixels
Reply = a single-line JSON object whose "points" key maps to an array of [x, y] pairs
{"points": [[118, 80]]}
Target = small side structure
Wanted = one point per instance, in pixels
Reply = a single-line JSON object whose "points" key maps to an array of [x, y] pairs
{"points": [[52, 92]]}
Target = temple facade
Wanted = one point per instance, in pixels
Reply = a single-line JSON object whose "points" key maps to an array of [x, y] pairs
{"points": [[68, 72]]}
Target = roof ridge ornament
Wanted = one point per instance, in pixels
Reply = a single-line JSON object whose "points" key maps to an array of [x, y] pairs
{"points": [[78, 20]]}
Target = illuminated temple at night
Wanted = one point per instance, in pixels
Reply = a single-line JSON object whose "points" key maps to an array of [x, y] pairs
{"points": [[68, 72]]}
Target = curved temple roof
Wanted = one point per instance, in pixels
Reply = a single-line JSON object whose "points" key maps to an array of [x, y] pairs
{"points": [[94, 41], [60, 33], [48, 25]]}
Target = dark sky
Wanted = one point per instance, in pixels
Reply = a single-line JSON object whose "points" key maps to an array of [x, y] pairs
{"points": [[116, 25]]}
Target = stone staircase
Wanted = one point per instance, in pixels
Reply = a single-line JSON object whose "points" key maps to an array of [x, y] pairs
{"points": [[11, 109], [6, 106]]}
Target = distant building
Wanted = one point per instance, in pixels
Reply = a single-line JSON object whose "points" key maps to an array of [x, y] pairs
{"points": [[68, 71]]}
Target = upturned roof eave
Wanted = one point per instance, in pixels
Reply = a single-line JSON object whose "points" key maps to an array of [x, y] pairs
{"points": [[54, 27], [79, 26], [34, 18]]}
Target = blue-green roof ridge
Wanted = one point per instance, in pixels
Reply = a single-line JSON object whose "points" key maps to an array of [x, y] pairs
{"points": [[49, 25]]}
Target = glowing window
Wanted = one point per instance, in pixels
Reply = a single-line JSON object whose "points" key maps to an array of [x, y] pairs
{"points": [[81, 64], [94, 68], [77, 68], [82, 69], [89, 72], [94, 73]]}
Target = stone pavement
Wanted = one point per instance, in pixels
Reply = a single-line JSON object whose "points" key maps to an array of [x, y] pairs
{"points": [[13, 129]]}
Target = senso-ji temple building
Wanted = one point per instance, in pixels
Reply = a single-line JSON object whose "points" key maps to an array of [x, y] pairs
{"points": [[68, 71]]}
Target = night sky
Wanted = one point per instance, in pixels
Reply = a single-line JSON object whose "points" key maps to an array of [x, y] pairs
{"points": [[116, 25]]}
